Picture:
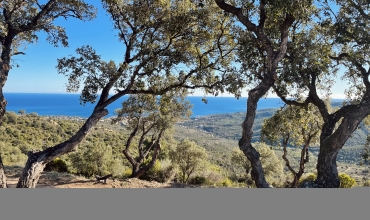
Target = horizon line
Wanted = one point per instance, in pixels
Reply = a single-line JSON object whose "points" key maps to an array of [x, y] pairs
{"points": [[207, 96]]}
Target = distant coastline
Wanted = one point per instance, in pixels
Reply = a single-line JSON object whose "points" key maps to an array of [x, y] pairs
{"points": [[61, 104]]}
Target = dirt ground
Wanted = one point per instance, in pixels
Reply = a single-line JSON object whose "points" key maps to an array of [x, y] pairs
{"points": [[65, 180], [111, 183]]}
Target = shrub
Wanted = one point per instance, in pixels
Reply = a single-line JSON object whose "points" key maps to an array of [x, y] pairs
{"points": [[167, 172], [11, 155], [153, 172], [272, 165], [127, 172], [198, 180], [163, 171], [22, 112], [366, 183], [189, 157], [10, 118], [309, 178], [33, 114], [93, 159], [57, 165], [226, 182], [346, 181], [213, 177]]}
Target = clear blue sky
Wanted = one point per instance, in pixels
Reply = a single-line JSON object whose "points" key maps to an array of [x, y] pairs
{"points": [[37, 72]]}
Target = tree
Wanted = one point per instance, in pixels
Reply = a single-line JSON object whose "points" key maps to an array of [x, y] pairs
{"points": [[340, 38], [161, 38], [22, 112], [262, 46], [272, 166], [189, 157], [2, 175], [295, 126], [148, 118], [365, 155], [93, 159], [20, 20]]}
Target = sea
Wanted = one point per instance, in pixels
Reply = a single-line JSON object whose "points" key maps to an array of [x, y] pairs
{"points": [[45, 104]]}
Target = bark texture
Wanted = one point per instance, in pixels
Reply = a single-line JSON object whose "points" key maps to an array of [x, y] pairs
{"points": [[137, 171], [37, 160], [4, 71], [331, 142], [267, 79], [3, 183]]}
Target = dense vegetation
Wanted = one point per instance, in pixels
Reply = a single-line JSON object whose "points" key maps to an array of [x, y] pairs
{"points": [[101, 152], [227, 127], [291, 48]]}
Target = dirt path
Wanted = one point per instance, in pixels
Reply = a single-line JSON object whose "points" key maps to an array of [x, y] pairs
{"points": [[111, 183]]}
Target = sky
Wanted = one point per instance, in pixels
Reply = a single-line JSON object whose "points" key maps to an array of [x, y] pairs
{"points": [[37, 68]]}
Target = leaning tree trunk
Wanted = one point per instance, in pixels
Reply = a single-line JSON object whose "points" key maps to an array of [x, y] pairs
{"points": [[245, 144], [37, 160], [2, 175]]}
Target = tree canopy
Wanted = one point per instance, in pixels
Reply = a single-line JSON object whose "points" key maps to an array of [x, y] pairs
{"points": [[148, 119], [337, 39], [22, 20], [161, 54]]}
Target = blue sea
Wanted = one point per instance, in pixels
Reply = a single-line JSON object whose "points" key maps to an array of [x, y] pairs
{"points": [[69, 104]]}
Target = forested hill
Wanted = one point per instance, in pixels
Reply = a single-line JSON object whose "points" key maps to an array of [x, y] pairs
{"points": [[228, 126], [219, 134]]}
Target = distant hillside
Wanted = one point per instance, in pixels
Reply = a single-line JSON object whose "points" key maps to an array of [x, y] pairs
{"points": [[228, 126]]}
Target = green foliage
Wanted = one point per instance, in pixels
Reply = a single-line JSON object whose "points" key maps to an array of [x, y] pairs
{"points": [[366, 152], [94, 159], [160, 37], [198, 180], [167, 172], [346, 181], [57, 165], [150, 119], [163, 171], [298, 125], [226, 182], [309, 178], [366, 183], [25, 18], [272, 166], [189, 157], [219, 134], [154, 172], [11, 155]]}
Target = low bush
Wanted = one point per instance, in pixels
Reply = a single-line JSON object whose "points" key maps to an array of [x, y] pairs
{"points": [[366, 183], [57, 165], [163, 171], [346, 181], [226, 182], [198, 180]]}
